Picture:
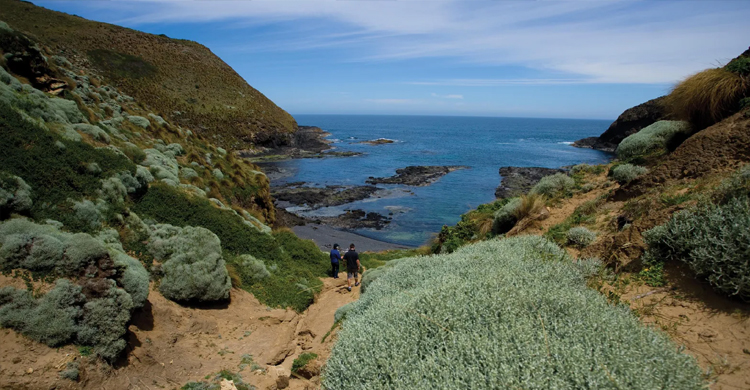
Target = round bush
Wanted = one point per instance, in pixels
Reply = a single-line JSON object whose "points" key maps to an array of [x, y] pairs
{"points": [[194, 269], [512, 313], [15, 194], [626, 173], [580, 236], [651, 139], [553, 185]]}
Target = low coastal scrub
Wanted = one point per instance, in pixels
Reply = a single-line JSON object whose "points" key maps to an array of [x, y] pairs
{"points": [[583, 214], [474, 226], [520, 306], [505, 218], [658, 137], [553, 186], [711, 95], [193, 267], [294, 264], [625, 173], [580, 236], [714, 240]]}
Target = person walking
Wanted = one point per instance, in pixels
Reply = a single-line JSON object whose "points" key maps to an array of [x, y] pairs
{"points": [[335, 260], [352, 267]]}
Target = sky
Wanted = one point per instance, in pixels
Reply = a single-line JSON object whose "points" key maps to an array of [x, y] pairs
{"points": [[552, 59]]}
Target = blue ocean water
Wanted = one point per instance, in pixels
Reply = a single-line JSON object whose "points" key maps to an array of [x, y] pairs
{"points": [[484, 144]]}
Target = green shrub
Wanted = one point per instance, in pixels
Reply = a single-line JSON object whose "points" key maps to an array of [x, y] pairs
{"points": [[302, 360], [512, 313], [194, 269], [714, 240], [139, 121], [555, 185], [580, 236], [133, 277], [505, 218], [736, 185], [71, 371], [739, 65], [94, 131], [162, 166], [121, 65], [251, 270], [659, 136], [583, 214], [30, 152], [625, 173], [15, 195]]}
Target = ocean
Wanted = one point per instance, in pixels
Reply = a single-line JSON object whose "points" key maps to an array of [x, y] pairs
{"points": [[483, 143]]}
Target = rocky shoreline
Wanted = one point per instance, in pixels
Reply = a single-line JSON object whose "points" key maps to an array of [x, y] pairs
{"points": [[417, 176], [308, 142], [300, 194]]}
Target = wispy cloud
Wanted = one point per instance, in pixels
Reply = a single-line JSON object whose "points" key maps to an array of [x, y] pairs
{"points": [[448, 96], [393, 101], [585, 41]]}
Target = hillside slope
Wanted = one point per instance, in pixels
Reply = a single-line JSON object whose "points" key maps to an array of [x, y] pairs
{"points": [[179, 80]]}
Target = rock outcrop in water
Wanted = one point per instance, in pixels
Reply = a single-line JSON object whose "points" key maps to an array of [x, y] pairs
{"points": [[629, 122], [416, 175], [518, 181]]}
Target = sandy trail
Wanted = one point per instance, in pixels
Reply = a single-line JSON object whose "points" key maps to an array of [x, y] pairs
{"points": [[171, 344]]}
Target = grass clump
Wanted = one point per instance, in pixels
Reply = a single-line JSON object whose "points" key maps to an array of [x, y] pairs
{"points": [[625, 173], [655, 138], [709, 96], [713, 240], [302, 360], [505, 217], [15, 195], [517, 307], [553, 186], [580, 237]]}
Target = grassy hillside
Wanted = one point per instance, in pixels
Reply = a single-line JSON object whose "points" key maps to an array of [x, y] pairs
{"points": [[100, 196], [179, 80]]}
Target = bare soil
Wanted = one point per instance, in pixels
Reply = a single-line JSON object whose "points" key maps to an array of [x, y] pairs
{"points": [[171, 344]]}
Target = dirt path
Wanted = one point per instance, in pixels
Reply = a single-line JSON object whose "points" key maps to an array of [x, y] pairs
{"points": [[170, 345]]}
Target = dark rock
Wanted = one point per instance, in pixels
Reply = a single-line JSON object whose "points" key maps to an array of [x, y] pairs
{"points": [[416, 175], [629, 122], [317, 197], [518, 181], [357, 219], [379, 141]]}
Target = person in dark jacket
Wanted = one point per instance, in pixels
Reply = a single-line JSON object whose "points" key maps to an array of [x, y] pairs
{"points": [[352, 267], [335, 260]]}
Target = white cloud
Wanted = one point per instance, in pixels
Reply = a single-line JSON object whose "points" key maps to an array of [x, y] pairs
{"points": [[583, 41], [448, 96]]}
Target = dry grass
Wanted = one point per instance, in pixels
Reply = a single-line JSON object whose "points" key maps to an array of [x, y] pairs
{"points": [[531, 205], [707, 97]]}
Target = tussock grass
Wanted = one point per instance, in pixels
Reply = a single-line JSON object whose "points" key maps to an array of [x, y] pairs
{"points": [[707, 97]]}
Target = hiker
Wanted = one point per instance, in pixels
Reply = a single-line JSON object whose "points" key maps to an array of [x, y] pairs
{"points": [[335, 259], [352, 267]]}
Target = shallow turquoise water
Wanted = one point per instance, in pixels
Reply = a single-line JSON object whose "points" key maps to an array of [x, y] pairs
{"points": [[483, 144]]}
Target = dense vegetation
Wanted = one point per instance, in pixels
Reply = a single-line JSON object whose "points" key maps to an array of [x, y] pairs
{"points": [[518, 308]]}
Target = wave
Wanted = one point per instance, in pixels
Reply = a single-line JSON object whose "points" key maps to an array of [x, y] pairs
{"points": [[565, 143]]}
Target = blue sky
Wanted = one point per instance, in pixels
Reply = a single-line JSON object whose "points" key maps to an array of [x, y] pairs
{"points": [[557, 59]]}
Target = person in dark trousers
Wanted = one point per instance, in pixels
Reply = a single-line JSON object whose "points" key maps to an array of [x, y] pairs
{"points": [[335, 260], [352, 267]]}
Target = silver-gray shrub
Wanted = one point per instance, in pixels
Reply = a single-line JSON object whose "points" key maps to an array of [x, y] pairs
{"points": [[626, 173], [162, 166], [188, 173], [218, 174], [251, 269], [94, 131], [713, 240], [736, 185], [511, 313], [194, 269], [113, 190], [553, 185], [158, 119], [505, 218], [89, 212], [651, 139], [104, 323], [52, 319], [139, 121], [580, 236], [15, 194]]}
